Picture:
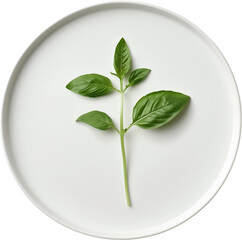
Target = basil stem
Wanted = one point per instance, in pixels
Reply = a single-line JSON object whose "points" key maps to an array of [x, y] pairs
{"points": [[121, 133]]}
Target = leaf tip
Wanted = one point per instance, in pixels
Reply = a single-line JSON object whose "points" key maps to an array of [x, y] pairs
{"points": [[68, 86], [147, 71], [122, 41], [188, 97], [78, 119]]}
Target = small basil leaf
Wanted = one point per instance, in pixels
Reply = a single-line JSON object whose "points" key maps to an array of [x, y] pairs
{"points": [[138, 75], [158, 108], [97, 119], [122, 58], [114, 74], [90, 85]]}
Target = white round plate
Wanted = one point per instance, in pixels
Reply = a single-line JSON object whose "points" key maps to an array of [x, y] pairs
{"points": [[73, 172]]}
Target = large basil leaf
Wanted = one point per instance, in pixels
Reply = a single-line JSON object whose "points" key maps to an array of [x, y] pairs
{"points": [[138, 75], [97, 119], [158, 108], [91, 85], [122, 58]]}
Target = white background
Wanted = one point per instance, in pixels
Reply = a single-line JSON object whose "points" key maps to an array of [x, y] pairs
{"points": [[22, 21]]}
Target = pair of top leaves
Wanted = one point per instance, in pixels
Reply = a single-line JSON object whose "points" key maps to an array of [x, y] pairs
{"points": [[151, 111], [95, 85]]}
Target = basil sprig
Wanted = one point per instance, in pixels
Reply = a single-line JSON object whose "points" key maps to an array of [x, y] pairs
{"points": [[151, 111]]}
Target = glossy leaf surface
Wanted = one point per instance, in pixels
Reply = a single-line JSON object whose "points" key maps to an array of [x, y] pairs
{"points": [[96, 119], [90, 85], [122, 58], [158, 108], [138, 75]]}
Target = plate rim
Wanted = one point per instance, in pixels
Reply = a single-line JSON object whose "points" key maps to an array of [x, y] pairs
{"points": [[212, 191]]}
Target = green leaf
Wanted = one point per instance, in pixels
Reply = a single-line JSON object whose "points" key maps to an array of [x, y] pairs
{"points": [[122, 58], [138, 75], [90, 85], [158, 108], [97, 119]]}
